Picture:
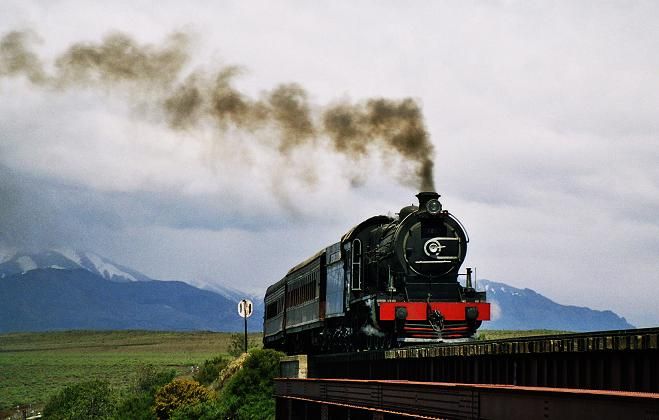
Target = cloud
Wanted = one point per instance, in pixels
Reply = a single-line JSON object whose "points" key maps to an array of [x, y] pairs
{"points": [[543, 116]]}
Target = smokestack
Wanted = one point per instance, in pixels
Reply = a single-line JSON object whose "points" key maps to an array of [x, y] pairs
{"points": [[426, 196]]}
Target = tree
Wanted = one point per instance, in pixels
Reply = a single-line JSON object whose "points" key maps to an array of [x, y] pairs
{"points": [[177, 393], [84, 400]]}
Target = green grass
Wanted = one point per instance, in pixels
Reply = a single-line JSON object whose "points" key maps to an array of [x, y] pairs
{"points": [[503, 334], [33, 366]]}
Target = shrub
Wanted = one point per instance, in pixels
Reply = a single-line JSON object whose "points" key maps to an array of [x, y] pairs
{"points": [[206, 410], [138, 405], [227, 373], [237, 344], [84, 400], [210, 370], [179, 392], [149, 379], [248, 394]]}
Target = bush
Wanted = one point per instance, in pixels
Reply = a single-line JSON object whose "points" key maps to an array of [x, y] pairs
{"points": [[138, 405], [84, 400], [227, 373], [178, 393], [149, 379], [207, 410], [210, 370], [237, 344], [248, 394]]}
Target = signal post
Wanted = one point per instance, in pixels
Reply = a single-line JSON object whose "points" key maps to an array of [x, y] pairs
{"points": [[245, 310]]}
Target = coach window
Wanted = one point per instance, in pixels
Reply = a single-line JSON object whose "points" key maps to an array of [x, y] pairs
{"points": [[271, 310], [356, 264]]}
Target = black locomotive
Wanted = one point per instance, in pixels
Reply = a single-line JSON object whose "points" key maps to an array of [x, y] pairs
{"points": [[389, 281]]}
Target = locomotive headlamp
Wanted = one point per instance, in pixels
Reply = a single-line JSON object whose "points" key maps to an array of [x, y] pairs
{"points": [[433, 206], [471, 313], [401, 313]]}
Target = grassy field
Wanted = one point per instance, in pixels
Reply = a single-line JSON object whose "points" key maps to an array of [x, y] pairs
{"points": [[33, 366]]}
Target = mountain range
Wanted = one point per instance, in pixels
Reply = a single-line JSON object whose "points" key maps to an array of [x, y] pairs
{"points": [[66, 289], [66, 259], [523, 309]]}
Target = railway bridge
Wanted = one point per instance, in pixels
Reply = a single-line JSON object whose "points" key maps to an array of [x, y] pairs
{"points": [[609, 374]]}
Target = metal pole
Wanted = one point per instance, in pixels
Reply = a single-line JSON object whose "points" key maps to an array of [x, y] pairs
{"points": [[245, 316]]}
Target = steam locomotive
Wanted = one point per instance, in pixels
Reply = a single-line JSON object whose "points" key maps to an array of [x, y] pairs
{"points": [[389, 281]]}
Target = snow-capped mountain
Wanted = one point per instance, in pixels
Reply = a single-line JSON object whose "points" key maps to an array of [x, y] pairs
{"points": [[66, 289], [525, 309], [231, 293], [16, 262], [48, 299], [13, 261]]}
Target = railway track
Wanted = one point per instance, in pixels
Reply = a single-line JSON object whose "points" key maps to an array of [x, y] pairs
{"points": [[595, 340]]}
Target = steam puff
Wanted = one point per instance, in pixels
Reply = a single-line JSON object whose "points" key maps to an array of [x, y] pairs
{"points": [[291, 113], [395, 126], [119, 58], [375, 127], [495, 310], [16, 59]]}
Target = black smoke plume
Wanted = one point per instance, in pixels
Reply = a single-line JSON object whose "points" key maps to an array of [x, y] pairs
{"points": [[375, 127]]}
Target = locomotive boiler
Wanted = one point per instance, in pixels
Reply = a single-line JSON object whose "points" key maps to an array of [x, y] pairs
{"points": [[389, 281]]}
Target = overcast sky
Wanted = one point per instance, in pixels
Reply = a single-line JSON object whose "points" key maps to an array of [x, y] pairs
{"points": [[544, 118]]}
